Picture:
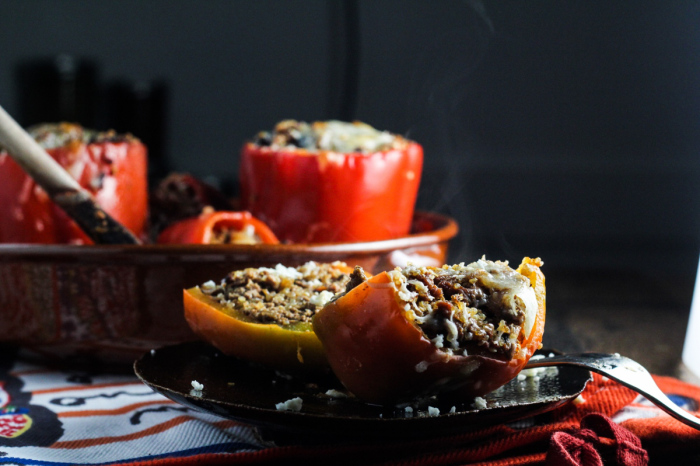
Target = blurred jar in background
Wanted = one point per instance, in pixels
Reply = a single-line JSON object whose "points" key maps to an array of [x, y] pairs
{"points": [[139, 107], [64, 88]]}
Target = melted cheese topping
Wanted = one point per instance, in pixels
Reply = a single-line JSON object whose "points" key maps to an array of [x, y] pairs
{"points": [[509, 282], [332, 136], [340, 136]]}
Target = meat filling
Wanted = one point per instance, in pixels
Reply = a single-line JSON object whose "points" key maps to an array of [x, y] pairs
{"points": [[333, 135], [283, 295], [54, 135], [479, 308], [223, 235]]}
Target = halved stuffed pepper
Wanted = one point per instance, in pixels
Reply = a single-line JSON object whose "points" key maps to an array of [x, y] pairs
{"points": [[331, 181], [264, 314], [212, 227], [416, 331]]}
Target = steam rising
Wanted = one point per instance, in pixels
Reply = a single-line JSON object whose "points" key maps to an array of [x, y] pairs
{"points": [[440, 90]]}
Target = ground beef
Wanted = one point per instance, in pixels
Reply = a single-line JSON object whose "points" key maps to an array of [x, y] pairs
{"points": [[357, 277], [283, 295], [230, 236]]}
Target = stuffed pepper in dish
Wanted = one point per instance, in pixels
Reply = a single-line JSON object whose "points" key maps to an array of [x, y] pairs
{"points": [[331, 181]]}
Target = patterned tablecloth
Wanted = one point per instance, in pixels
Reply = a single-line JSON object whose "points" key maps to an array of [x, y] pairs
{"points": [[56, 416]]}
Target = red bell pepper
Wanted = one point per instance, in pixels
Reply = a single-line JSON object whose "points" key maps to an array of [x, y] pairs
{"points": [[314, 195], [218, 227], [380, 354], [111, 167]]}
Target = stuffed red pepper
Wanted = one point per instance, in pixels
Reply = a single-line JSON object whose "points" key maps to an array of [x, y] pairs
{"points": [[112, 167], [331, 181]]}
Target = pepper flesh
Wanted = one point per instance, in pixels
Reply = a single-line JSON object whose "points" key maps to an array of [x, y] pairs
{"points": [[112, 170], [204, 229], [381, 356], [313, 197]]}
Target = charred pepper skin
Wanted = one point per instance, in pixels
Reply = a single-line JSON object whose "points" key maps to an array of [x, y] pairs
{"points": [[317, 197], [201, 229], [383, 358], [111, 167]]}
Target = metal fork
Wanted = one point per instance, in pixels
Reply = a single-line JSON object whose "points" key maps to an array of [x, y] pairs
{"points": [[625, 371]]}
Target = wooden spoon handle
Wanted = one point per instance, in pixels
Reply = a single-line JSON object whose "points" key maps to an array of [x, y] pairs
{"points": [[33, 159], [63, 189]]}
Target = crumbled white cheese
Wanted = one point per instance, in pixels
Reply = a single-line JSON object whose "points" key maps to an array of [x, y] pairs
{"points": [[290, 405], [453, 409], [408, 410], [422, 366], [333, 393], [536, 372], [432, 411], [197, 386], [479, 403], [579, 400], [289, 272], [322, 298], [208, 286]]}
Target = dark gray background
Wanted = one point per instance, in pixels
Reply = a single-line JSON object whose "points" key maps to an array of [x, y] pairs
{"points": [[568, 130]]}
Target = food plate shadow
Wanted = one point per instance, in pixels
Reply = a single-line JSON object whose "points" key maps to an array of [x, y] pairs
{"points": [[236, 390]]}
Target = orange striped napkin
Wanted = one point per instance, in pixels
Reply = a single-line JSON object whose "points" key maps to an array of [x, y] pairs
{"points": [[60, 417]]}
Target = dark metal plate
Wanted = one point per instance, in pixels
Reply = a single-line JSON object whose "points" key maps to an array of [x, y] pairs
{"points": [[236, 390]]}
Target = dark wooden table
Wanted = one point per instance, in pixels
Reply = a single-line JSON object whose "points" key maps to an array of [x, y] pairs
{"points": [[641, 317]]}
